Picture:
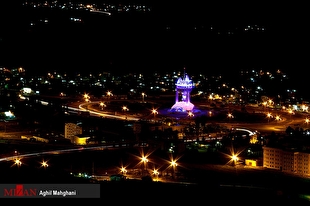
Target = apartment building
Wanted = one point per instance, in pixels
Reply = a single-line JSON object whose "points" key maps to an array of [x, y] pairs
{"points": [[287, 160]]}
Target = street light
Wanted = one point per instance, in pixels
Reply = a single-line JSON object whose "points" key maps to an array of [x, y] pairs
{"points": [[125, 109], [154, 112], [269, 115], [230, 116], [44, 164], [102, 105], [291, 112], [156, 173], [278, 118], [190, 114], [86, 97], [173, 164], [143, 94], [264, 104], [109, 94], [123, 170], [17, 162], [144, 162], [234, 159]]}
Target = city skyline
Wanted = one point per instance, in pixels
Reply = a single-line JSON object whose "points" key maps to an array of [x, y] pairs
{"points": [[245, 61]]}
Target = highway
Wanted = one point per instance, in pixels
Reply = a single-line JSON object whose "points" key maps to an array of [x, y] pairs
{"points": [[296, 119], [286, 119], [293, 120], [84, 107]]}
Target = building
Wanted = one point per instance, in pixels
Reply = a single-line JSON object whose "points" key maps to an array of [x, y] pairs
{"points": [[72, 132], [287, 160], [80, 139], [250, 162]]}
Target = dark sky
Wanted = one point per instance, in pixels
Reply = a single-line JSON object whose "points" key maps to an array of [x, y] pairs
{"points": [[139, 43]]}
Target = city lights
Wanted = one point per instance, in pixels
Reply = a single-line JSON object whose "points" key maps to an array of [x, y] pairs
{"points": [[100, 91]]}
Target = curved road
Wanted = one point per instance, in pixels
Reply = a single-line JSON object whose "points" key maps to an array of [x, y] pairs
{"points": [[295, 120]]}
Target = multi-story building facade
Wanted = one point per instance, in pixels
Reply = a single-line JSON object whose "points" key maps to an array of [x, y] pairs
{"points": [[72, 129], [287, 160]]}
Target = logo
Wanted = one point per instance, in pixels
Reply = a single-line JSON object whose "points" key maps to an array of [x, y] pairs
{"points": [[49, 190], [20, 191]]}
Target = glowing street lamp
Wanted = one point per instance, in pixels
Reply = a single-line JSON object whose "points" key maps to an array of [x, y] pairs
{"points": [[144, 161], [86, 97], [173, 164], [304, 108], [156, 173], [18, 162], [291, 112], [102, 105], [269, 115], [230, 116], [154, 112], [278, 118], [123, 170], [109, 94], [125, 109], [143, 94], [44, 164], [234, 159], [264, 104], [190, 114]]}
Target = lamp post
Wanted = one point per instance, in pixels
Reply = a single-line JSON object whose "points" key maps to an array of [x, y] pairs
{"points": [[125, 109], [123, 171], [269, 115], [230, 116], [234, 159], [291, 112], [190, 115], [44, 164], [86, 97], [144, 161], [154, 112], [278, 118], [143, 94], [155, 173], [173, 164], [102, 105], [307, 120], [109, 94], [18, 162]]}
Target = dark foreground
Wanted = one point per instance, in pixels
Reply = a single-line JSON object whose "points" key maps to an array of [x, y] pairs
{"points": [[203, 182], [218, 187], [150, 193]]}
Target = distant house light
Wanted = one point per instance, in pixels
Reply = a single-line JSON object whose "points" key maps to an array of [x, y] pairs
{"points": [[9, 114], [27, 90]]}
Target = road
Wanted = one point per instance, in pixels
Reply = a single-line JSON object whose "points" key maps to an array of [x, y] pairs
{"points": [[293, 120]]}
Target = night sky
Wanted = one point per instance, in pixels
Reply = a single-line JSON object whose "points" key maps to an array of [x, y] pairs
{"points": [[142, 42]]}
